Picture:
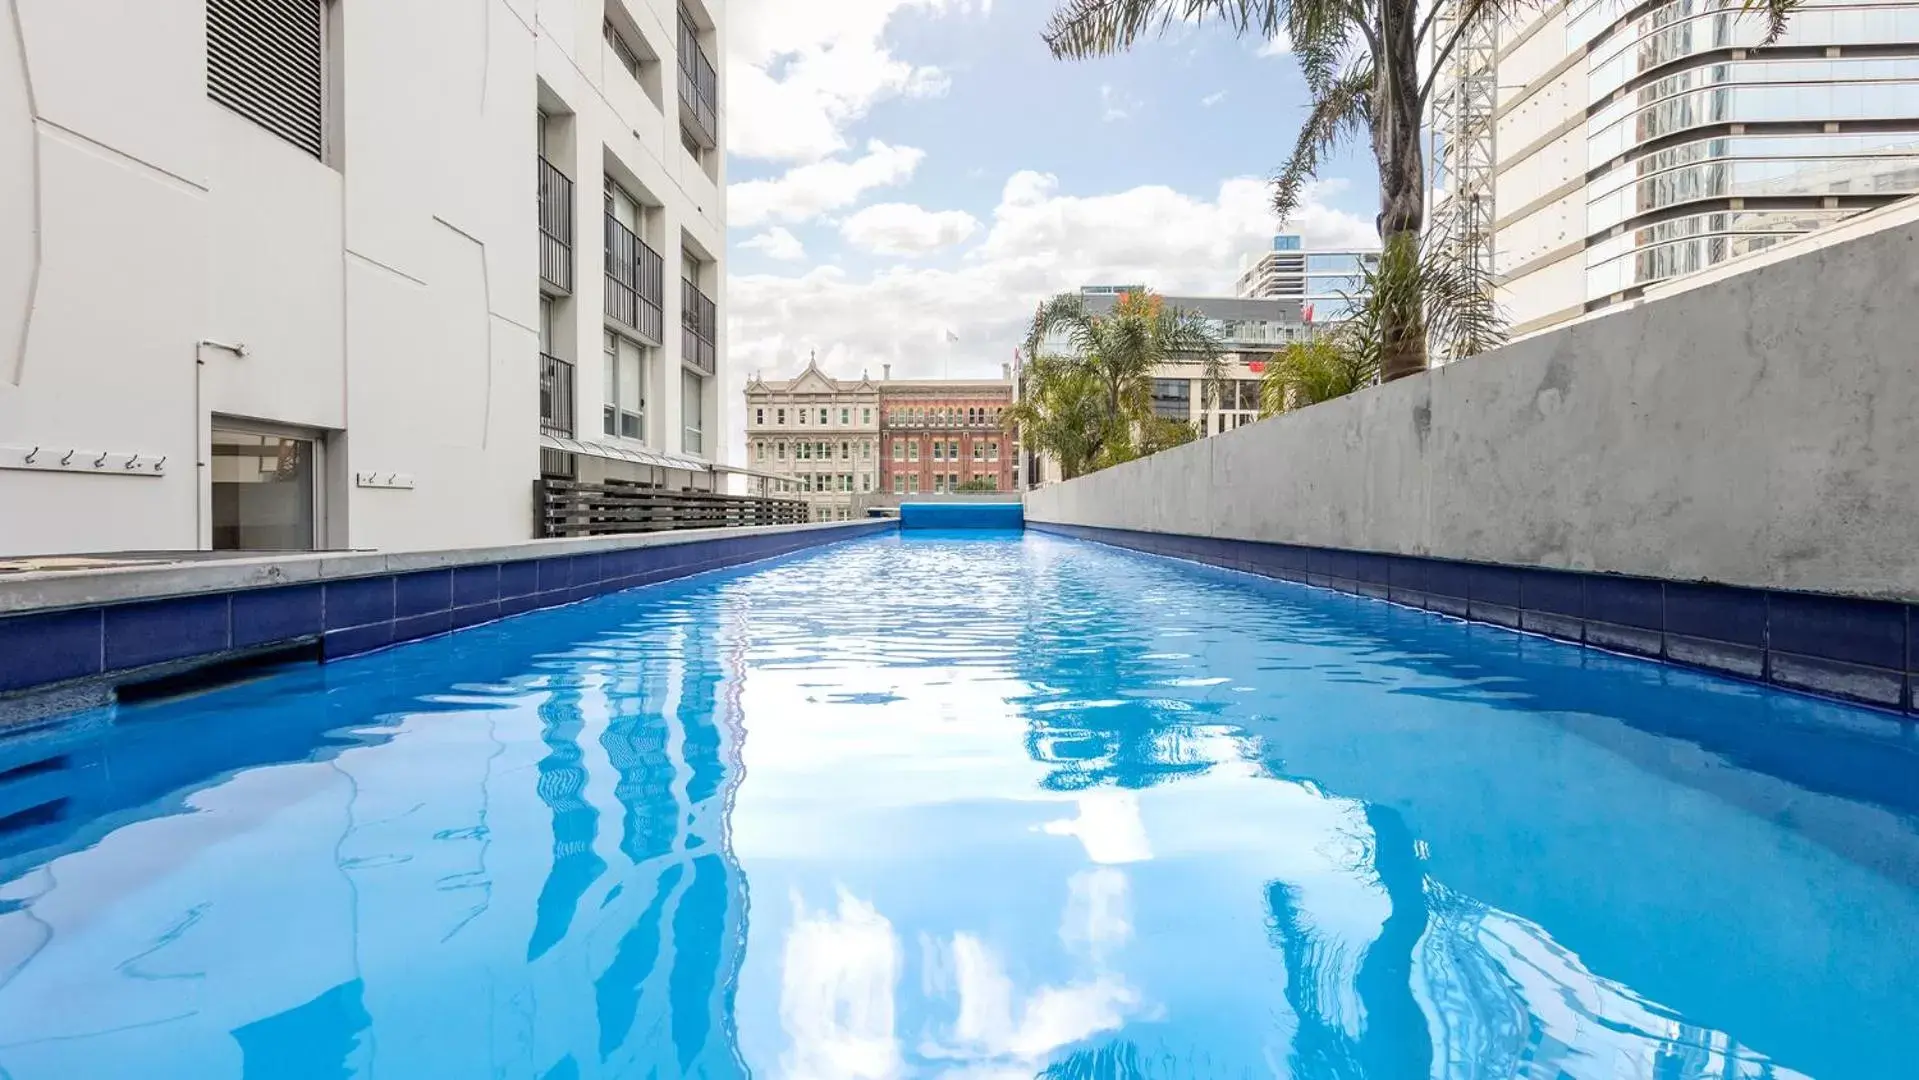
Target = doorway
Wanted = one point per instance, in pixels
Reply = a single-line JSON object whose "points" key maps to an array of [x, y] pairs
{"points": [[266, 491]]}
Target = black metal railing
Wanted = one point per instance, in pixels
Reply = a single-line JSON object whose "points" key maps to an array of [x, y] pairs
{"points": [[635, 282], [699, 84], [699, 326], [570, 508], [556, 227], [556, 397]]}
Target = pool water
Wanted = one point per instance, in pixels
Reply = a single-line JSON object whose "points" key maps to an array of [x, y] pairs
{"points": [[993, 805]]}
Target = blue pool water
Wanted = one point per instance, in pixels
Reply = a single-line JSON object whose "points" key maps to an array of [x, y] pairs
{"points": [[982, 806]]}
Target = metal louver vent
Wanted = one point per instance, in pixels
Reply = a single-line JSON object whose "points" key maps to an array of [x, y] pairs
{"points": [[266, 61]]}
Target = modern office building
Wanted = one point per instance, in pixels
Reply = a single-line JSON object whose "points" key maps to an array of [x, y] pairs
{"points": [[940, 436], [1604, 147], [1322, 280], [820, 431], [286, 274]]}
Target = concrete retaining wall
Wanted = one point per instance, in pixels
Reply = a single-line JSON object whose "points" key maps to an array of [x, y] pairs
{"points": [[1761, 431]]}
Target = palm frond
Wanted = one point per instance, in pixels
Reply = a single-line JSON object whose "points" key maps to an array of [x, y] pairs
{"points": [[1776, 13], [1321, 368], [1083, 28], [1344, 108]]}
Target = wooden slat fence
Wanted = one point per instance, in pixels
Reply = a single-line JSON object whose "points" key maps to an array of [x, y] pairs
{"points": [[571, 508]]}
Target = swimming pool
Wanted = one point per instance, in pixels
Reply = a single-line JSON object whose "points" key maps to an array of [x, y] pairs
{"points": [[983, 805]]}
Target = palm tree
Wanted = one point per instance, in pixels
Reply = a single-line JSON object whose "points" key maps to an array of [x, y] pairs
{"points": [[1061, 412], [1444, 295], [1123, 346], [1361, 59], [1102, 389]]}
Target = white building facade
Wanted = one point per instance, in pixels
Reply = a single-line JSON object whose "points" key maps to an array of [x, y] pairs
{"points": [[820, 433], [287, 274], [1634, 145]]}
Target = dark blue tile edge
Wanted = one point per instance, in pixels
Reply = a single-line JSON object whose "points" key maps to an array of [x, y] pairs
{"points": [[1854, 650], [348, 617]]}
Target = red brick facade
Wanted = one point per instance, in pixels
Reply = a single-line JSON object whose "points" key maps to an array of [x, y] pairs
{"points": [[936, 436]]}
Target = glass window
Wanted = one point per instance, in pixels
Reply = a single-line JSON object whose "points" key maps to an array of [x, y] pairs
{"points": [[846, 451], [263, 492], [623, 412], [822, 417], [779, 451], [979, 450], [992, 450], [939, 450], [866, 417], [759, 451], [1173, 398], [693, 411], [899, 483], [899, 450], [952, 450], [939, 483], [759, 417], [779, 417], [846, 417], [913, 484], [913, 450]]}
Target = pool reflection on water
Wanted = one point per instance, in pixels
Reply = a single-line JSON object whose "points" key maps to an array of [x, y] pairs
{"points": [[964, 806]]}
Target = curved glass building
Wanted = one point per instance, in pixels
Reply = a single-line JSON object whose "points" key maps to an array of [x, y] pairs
{"points": [[1639, 142]]}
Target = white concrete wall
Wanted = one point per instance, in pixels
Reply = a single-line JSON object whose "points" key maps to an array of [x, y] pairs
{"points": [[612, 126], [387, 296], [1762, 430]]}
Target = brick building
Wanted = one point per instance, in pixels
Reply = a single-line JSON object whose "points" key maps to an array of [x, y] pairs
{"points": [[940, 435]]}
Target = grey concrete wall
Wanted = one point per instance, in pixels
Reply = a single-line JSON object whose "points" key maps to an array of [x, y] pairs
{"points": [[1760, 431]]}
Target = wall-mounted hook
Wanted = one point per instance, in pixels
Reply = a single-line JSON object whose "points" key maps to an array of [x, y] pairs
{"points": [[158, 464], [101, 461], [65, 460], [31, 454], [132, 462]]}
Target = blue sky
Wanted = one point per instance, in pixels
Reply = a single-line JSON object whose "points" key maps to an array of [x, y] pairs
{"points": [[902, 169]]}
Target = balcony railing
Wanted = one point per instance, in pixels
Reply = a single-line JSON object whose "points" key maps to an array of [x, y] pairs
{"points": [[635, 282], [556, 397], [699, 86], [556, 227], [699, 321]]}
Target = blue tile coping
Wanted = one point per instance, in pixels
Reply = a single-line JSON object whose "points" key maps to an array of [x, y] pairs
{"points": [[1863, 651], [72, 633]]}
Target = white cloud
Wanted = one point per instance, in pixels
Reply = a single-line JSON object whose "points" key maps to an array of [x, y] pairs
{"points": [[836, 992], [1039, 241], [1114, 104], [905, 229], [1213, 98], [777, 243], [807, 191], [1280, 44], [799, 74]]}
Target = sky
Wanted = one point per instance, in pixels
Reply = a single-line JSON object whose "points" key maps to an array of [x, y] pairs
{"points": [[907, 172]]}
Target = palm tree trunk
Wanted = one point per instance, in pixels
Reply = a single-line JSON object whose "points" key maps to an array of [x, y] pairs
{"points": [[1402, 190]]}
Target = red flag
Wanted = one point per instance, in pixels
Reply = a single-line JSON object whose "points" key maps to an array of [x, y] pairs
{"points": [[1257, 367], [1306, 313]]}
